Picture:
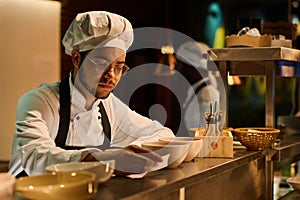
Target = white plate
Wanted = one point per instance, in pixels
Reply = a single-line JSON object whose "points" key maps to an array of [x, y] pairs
{"points": [[102, 169]]}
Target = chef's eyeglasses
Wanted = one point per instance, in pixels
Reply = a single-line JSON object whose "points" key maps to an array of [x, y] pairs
{"points": [[101, 64]]}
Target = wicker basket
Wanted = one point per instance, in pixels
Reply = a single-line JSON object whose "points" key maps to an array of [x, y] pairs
{"points": [[256, 138]]}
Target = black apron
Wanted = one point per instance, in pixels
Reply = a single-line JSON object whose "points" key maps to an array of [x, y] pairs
{"points": [[64, 122]]}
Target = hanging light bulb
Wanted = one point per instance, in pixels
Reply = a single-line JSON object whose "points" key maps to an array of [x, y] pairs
{"points": [[166, 62], [234, 80]]}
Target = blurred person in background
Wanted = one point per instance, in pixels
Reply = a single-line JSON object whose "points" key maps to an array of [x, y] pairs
{"points": [[191, 62]]}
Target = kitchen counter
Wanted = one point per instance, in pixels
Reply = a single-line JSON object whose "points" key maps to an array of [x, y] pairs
{"points": [[288, 149], [293, 195], [245, 176], [208, 178], [259, 61]]}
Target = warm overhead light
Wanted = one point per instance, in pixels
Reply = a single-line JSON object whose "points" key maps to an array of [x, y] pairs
{"points": [[167, 49], [166, 59], [234, 80]]}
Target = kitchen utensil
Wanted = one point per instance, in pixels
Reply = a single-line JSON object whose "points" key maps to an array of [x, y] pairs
{"points": [[57, 185]]}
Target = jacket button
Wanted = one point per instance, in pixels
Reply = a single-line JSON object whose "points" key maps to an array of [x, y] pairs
{"points": [[78, 118]]}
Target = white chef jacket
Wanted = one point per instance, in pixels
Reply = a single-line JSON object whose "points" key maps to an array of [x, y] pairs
{"points": [[37, 123]]}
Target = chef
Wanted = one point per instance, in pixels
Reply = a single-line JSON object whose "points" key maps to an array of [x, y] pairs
{"points": [[79, 118], [191, 62]]}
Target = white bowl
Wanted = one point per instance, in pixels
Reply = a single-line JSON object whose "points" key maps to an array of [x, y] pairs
{"points": [[7, 185], [102, 169], [195, 145], [294, 182], [177, 151], [57, 185]]}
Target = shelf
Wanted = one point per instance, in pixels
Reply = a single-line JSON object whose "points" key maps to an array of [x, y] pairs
{"points": [[261, 61], [288, 148], [254, 54], [249, 61]]}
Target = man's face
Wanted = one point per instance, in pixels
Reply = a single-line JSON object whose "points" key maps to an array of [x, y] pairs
{"points": [[101, 70]]}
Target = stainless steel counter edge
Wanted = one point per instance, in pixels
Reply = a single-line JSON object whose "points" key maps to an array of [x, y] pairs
{"points": [[156, 185]]}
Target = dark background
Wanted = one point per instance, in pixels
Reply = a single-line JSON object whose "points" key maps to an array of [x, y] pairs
{"points": [[188, 17]]}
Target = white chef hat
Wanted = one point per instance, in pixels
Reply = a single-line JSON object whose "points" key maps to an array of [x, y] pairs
{"points": [[90, 29], [193, 53]]}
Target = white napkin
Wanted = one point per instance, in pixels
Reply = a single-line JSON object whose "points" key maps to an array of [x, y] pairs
{"points": [[160, 165]]}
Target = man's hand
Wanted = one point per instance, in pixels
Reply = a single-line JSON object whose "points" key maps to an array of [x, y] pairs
{"points": [[130, 160], [137, 160], [144, 152]]}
